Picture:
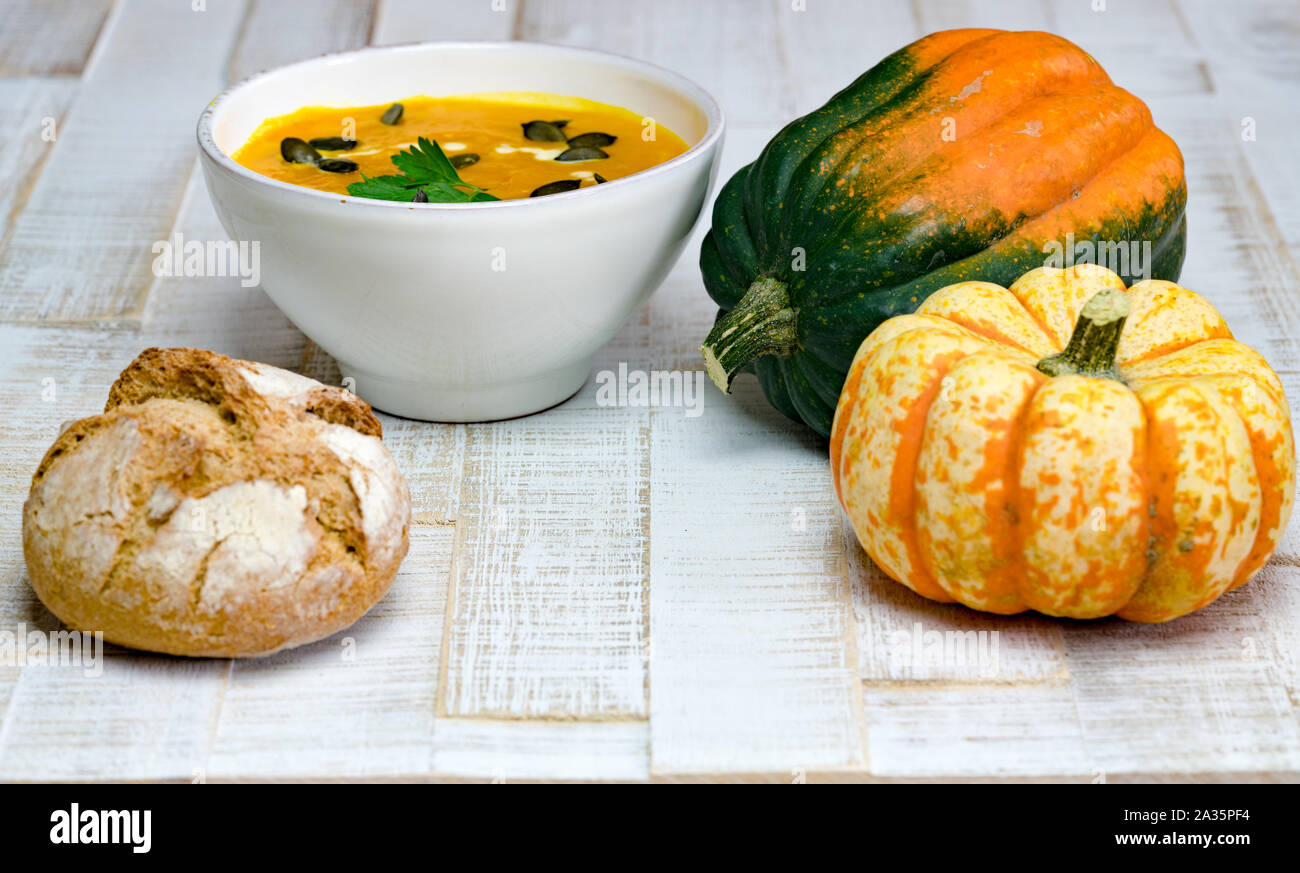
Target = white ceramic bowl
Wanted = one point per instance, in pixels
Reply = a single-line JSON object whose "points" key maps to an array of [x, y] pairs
{"points": [[463, 312]]}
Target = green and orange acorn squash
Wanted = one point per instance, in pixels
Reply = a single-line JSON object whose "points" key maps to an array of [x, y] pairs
{"points": [[967, 155]]}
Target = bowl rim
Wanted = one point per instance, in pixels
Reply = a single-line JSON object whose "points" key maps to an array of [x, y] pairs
{"points": [[703, 99]]}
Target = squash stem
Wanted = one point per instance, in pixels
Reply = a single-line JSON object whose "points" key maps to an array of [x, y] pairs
{"points": [[1092, 347], [761, 324]]}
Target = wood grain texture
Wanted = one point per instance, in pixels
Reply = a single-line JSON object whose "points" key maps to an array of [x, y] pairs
{"points": [[278, 33], [1251, 53], [1236, 256], [38, 39], [80, 249], [419, 20], [509, 751], [751, 631], [547, 617], [825, 55], [1143, 46], [620, 592], [358, 704], [144, 715], [1182, 697], [920, 731], [935, 15], [32, 111], [730, 47]]}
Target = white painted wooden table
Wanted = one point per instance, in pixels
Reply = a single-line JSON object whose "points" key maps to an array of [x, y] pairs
{"points": [[616, 593]]}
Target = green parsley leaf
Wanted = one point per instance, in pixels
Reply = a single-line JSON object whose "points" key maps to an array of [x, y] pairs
{"points": [[424, 167]]}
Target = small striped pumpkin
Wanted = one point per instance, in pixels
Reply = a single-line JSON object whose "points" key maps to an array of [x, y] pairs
{"points": [[1065, 446]]}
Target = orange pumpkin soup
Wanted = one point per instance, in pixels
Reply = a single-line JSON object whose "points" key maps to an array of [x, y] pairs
{"points": [[511, 145]]}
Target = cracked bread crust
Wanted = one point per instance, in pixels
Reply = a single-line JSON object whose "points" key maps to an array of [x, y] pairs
{"points": [[217, 508]]}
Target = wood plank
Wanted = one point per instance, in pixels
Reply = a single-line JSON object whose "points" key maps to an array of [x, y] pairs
{"points": [[1179, 697], [144, 717], [727, 47], [216, 312], [1236, 257], [752, 665], [33, 109], [1254, 64], [279, 33], [418, 20], [829, 43], [80, 250], [1274, 594], [944, 14], [745, 535], [510, 751], [356, 705], [921, 730], [39, 38], [547, 618], [432, 458], [1143, 46]]}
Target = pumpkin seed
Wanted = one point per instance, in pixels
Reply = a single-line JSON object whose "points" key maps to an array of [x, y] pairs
{"points": [[556, 187], [420, 196], [460, 162], [295, 151], [338, 165], [595, 140], [392, 115], [600, 180], [544, 131], [582, 153], [332, 143]]}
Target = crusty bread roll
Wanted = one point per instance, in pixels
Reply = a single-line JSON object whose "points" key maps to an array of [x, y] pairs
{"points": [[217, 508]]}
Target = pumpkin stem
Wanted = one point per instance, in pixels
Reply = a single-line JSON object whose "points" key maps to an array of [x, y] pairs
{"points": [[761, 324], [1092, 347]]}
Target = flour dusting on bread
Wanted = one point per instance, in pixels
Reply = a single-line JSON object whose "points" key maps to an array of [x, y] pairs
{"points": [[216, 508]]}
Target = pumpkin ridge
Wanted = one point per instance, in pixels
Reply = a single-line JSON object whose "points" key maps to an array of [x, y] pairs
{"points": [[823, 379], [943, 156], [801, 392], [762, 182], [1189, 575], [739, 259], [902, 477], [1150, 217], [1049, 78], [810, 197], [1033, 316], [929, 185], [1019, 429], [1021, 259], [1274, 508], [1232, 347], [997, 460]]}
